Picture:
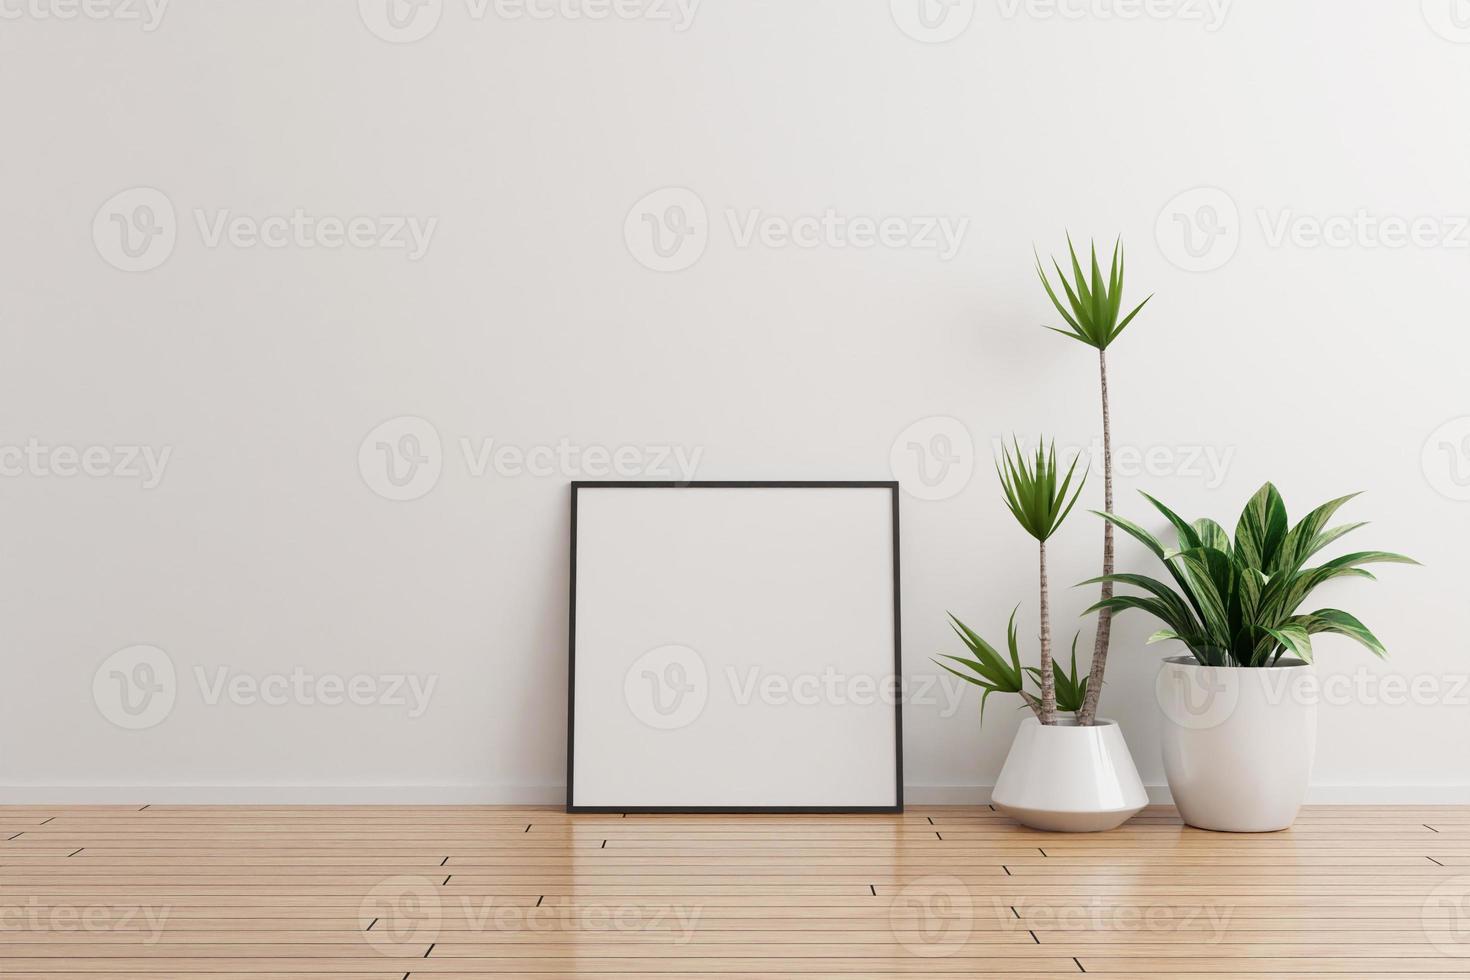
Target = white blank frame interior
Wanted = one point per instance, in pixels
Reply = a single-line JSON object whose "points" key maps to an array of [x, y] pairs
{"points": [[734, 648]]}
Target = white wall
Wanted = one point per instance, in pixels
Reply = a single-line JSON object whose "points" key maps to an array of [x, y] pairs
{"points": [[530, 321]]}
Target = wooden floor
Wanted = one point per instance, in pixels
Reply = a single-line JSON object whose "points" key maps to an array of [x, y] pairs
{"points": [[393, 892]]}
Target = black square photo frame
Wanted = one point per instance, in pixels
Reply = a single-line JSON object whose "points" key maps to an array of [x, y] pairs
{"points": [[764, 577]]}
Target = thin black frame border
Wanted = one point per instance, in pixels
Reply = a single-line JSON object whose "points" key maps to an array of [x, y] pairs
{"points": [[891, 486]]}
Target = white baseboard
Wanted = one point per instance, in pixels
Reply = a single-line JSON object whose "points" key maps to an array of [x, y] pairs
{"points": [[556, 795]]}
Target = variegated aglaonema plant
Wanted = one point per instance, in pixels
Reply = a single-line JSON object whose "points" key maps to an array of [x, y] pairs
{"points": [[1238, 603]]}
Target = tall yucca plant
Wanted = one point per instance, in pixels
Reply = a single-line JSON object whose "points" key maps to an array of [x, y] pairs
{"points": [[1092, 312], [1236, 603], [1037, 494]]}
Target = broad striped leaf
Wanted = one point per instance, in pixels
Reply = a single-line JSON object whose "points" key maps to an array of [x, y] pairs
{"points": [[1261, 529], [1344, 624], [1295, 639], [1297, 547], [1188, 538]]}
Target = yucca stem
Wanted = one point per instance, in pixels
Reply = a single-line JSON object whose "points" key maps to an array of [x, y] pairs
{"points": [[1032, 703], [1088, 716], [1048, 677]]}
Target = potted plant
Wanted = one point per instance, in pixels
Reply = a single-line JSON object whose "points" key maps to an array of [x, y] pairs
{"points": [[1092, 314], [1240, 726], [1059, 774]]}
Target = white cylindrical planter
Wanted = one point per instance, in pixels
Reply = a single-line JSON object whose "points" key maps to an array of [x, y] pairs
{"points": [[1238, 742], [1067, 778]]}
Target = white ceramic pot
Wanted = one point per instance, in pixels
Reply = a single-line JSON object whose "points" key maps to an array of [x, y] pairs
{"points": [[1063, 777], [1238, 742]]}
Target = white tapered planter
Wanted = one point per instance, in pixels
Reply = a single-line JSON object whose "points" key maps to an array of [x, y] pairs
{"points": [[1238, 742], [1068, 778]]}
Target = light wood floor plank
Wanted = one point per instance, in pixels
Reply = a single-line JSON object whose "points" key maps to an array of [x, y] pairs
{"points": [[372, 893]]}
